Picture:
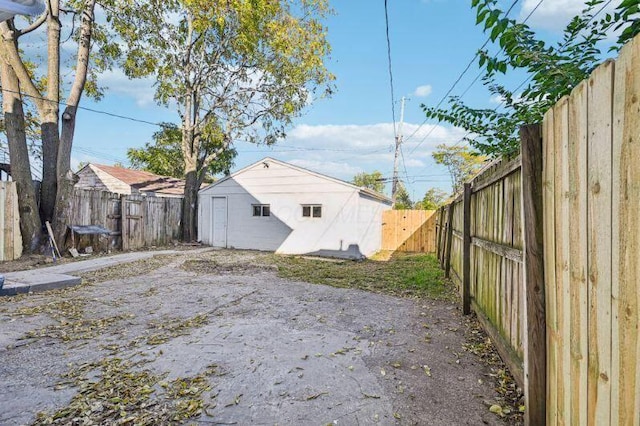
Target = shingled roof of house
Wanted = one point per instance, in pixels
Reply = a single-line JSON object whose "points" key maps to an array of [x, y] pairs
{"points": [[145, 181]]}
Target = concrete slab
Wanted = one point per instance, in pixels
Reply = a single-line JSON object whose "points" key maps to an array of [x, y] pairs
{"points": [[58, 276], [33, 281]]}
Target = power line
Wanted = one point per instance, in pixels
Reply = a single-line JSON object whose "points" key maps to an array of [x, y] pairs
{"points": [[501, 50], [393, 97], [526, 80], [97, 111], [464, 71]]}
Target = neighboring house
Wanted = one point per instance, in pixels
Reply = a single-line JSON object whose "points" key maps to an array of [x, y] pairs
{"points": [[126, 181], [275, 206]]}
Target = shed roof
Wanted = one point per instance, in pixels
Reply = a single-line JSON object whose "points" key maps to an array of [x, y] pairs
{"points": [[364, 191], [144, 181]]}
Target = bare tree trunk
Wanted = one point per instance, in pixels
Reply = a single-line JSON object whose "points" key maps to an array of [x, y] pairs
{"points": [[50, 115], [190, 207], [30, 225], [50, 143], [65, 178]]}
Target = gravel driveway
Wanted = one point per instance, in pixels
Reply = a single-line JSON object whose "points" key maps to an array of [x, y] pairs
{"points": [[155, 342]]}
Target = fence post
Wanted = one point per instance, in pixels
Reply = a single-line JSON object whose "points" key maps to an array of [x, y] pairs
{"points": [[447, 242], [438, 232], [124, 224], [535, 350], [466, 251]]}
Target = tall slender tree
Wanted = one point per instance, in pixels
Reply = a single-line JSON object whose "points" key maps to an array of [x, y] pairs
{"points": [[233, 69]]}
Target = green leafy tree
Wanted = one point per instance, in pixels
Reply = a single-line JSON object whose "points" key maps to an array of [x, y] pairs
{"points": [[403, 201], [460, 161], [373, 181], [164, 155], [234, 69], [553, 69], [433, 199]]}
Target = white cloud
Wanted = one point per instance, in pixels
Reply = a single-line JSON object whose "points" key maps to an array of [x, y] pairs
{"points": [[423, 91], [344, 150], [496, 99], [554, 15], [331, 168], [371, 141], [118, 83]]}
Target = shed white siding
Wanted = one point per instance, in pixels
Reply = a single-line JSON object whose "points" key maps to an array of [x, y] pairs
{"points": [[350, 219]]}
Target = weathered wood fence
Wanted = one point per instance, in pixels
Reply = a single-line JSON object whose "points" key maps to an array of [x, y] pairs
{"points": [[409, 231], [546, 250], [495, 255], [11, 240], [135, 221]]}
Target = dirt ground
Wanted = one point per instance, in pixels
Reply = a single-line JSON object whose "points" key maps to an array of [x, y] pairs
{"points": [[162, 341]]}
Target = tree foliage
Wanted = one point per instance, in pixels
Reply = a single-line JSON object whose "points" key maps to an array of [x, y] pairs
{"points": [[403, 200], [163, 156], [460, 161], [235, 70], [554, 69], [373, 180], [433, 199]]}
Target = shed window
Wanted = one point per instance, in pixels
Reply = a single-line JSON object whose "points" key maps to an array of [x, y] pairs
{"points": [[261, 210], [311, 210]]}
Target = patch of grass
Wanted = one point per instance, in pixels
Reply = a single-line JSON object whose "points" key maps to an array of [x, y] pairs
{"points": [[406, 275]]}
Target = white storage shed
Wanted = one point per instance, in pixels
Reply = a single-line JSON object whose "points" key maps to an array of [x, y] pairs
{"points": [[275, 206]]}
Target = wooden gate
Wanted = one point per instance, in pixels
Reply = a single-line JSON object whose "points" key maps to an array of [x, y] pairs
{"points": [[132, 222], [409, 231]]}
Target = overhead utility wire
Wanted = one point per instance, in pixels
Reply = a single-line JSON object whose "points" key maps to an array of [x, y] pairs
{"points": [[475, 80], [526, 80], [455, 83], [393, 97], [97, 111]]}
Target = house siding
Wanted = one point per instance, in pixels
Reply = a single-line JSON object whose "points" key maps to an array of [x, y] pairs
{"points": [[348, 218]]}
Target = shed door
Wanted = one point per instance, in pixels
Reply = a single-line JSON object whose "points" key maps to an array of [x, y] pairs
{"points": [[219, 222]]}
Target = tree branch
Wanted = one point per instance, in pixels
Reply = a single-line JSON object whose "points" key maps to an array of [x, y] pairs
{"points": [[34, 25], [10, 54]]}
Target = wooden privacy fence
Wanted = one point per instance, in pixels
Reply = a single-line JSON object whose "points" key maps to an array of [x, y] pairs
{"points": [[409, 231], [134, 220], [11, 239], [547, 252], [592, 247], [495, 241]]}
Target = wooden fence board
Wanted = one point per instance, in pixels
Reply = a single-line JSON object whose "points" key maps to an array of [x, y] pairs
{"points": [[578, 332], [548, 174], [625, 377], [562, 221], [599, 220], [11, 238]]}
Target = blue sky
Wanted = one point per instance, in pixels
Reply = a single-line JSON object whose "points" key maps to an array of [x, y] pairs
{"points": [[431, 43]]}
